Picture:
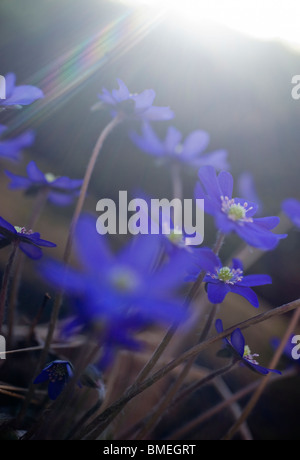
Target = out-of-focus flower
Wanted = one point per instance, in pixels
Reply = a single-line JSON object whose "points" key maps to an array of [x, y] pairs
{"points": [[117, 295], [60, 190], [19, 95], [222, 280], [189, 152], [137, 106], [58, 374], [246, 188], [10, 149], [291, 207], [235, 214], [241, 351], [28, 241]]}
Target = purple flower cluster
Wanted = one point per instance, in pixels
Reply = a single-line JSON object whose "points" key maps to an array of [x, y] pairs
{"points": [[60, 190], [115, 295]]}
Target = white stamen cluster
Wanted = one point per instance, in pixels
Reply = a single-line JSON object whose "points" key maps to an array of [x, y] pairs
{"points": [[228, 275], [235, 211]]}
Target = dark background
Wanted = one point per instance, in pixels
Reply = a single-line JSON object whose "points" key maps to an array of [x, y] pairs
{"points": [[235, 87]]}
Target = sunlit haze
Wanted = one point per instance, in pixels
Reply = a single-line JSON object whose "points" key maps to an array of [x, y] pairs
{"points": [[264, 19]]}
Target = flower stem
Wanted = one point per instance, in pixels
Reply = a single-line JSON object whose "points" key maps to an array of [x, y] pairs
{"points": [[154, 418], [193, 424], [168, 397], [38, 206], [67, 252], [5, 283]]}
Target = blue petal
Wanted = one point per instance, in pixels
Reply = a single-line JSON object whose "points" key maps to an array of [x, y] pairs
{"points": [[219, 326], [91, 247], [208, 177], [247, 293], [60, 199], [17, 182], [31, 250], [42, 377], [291, 207], [217, 292], [149, 142], [141, 252], [7, 226], [195, 142], [143, 100], [226, 183], [238, 341], [23, 95], [237, 264], [255, 280], [34, 173], [206, 259], [66, 183], [55, 388]]}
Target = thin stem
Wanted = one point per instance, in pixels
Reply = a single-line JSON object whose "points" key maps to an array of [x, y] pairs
{"points": [[38, 316], [67, 253], [38, 206], [167, 399], [157, 413], [253, 401], [193, 424], [5, 283], [100, 423]]}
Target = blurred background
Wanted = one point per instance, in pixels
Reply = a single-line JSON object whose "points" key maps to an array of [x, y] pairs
{"points": [[221, 67]]}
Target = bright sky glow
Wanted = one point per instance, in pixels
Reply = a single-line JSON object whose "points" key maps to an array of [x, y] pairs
{"points": [[264, 19]]}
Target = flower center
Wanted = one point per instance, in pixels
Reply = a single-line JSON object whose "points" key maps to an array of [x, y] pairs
{"points": [[50, 177], [228, 275], [249, 356], [23, 230], [57, 371], [235, 211], [124, 280], [224, 274]]}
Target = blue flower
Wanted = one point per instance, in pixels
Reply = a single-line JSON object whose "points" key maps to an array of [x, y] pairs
{"points": [[235, 214], [10, 149], [19, 95], [222, 279], [137, 106], [115, 295], [27, 241], [241, 351], [60, 190], [172, 149], [58, 373], [291, 207]]}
